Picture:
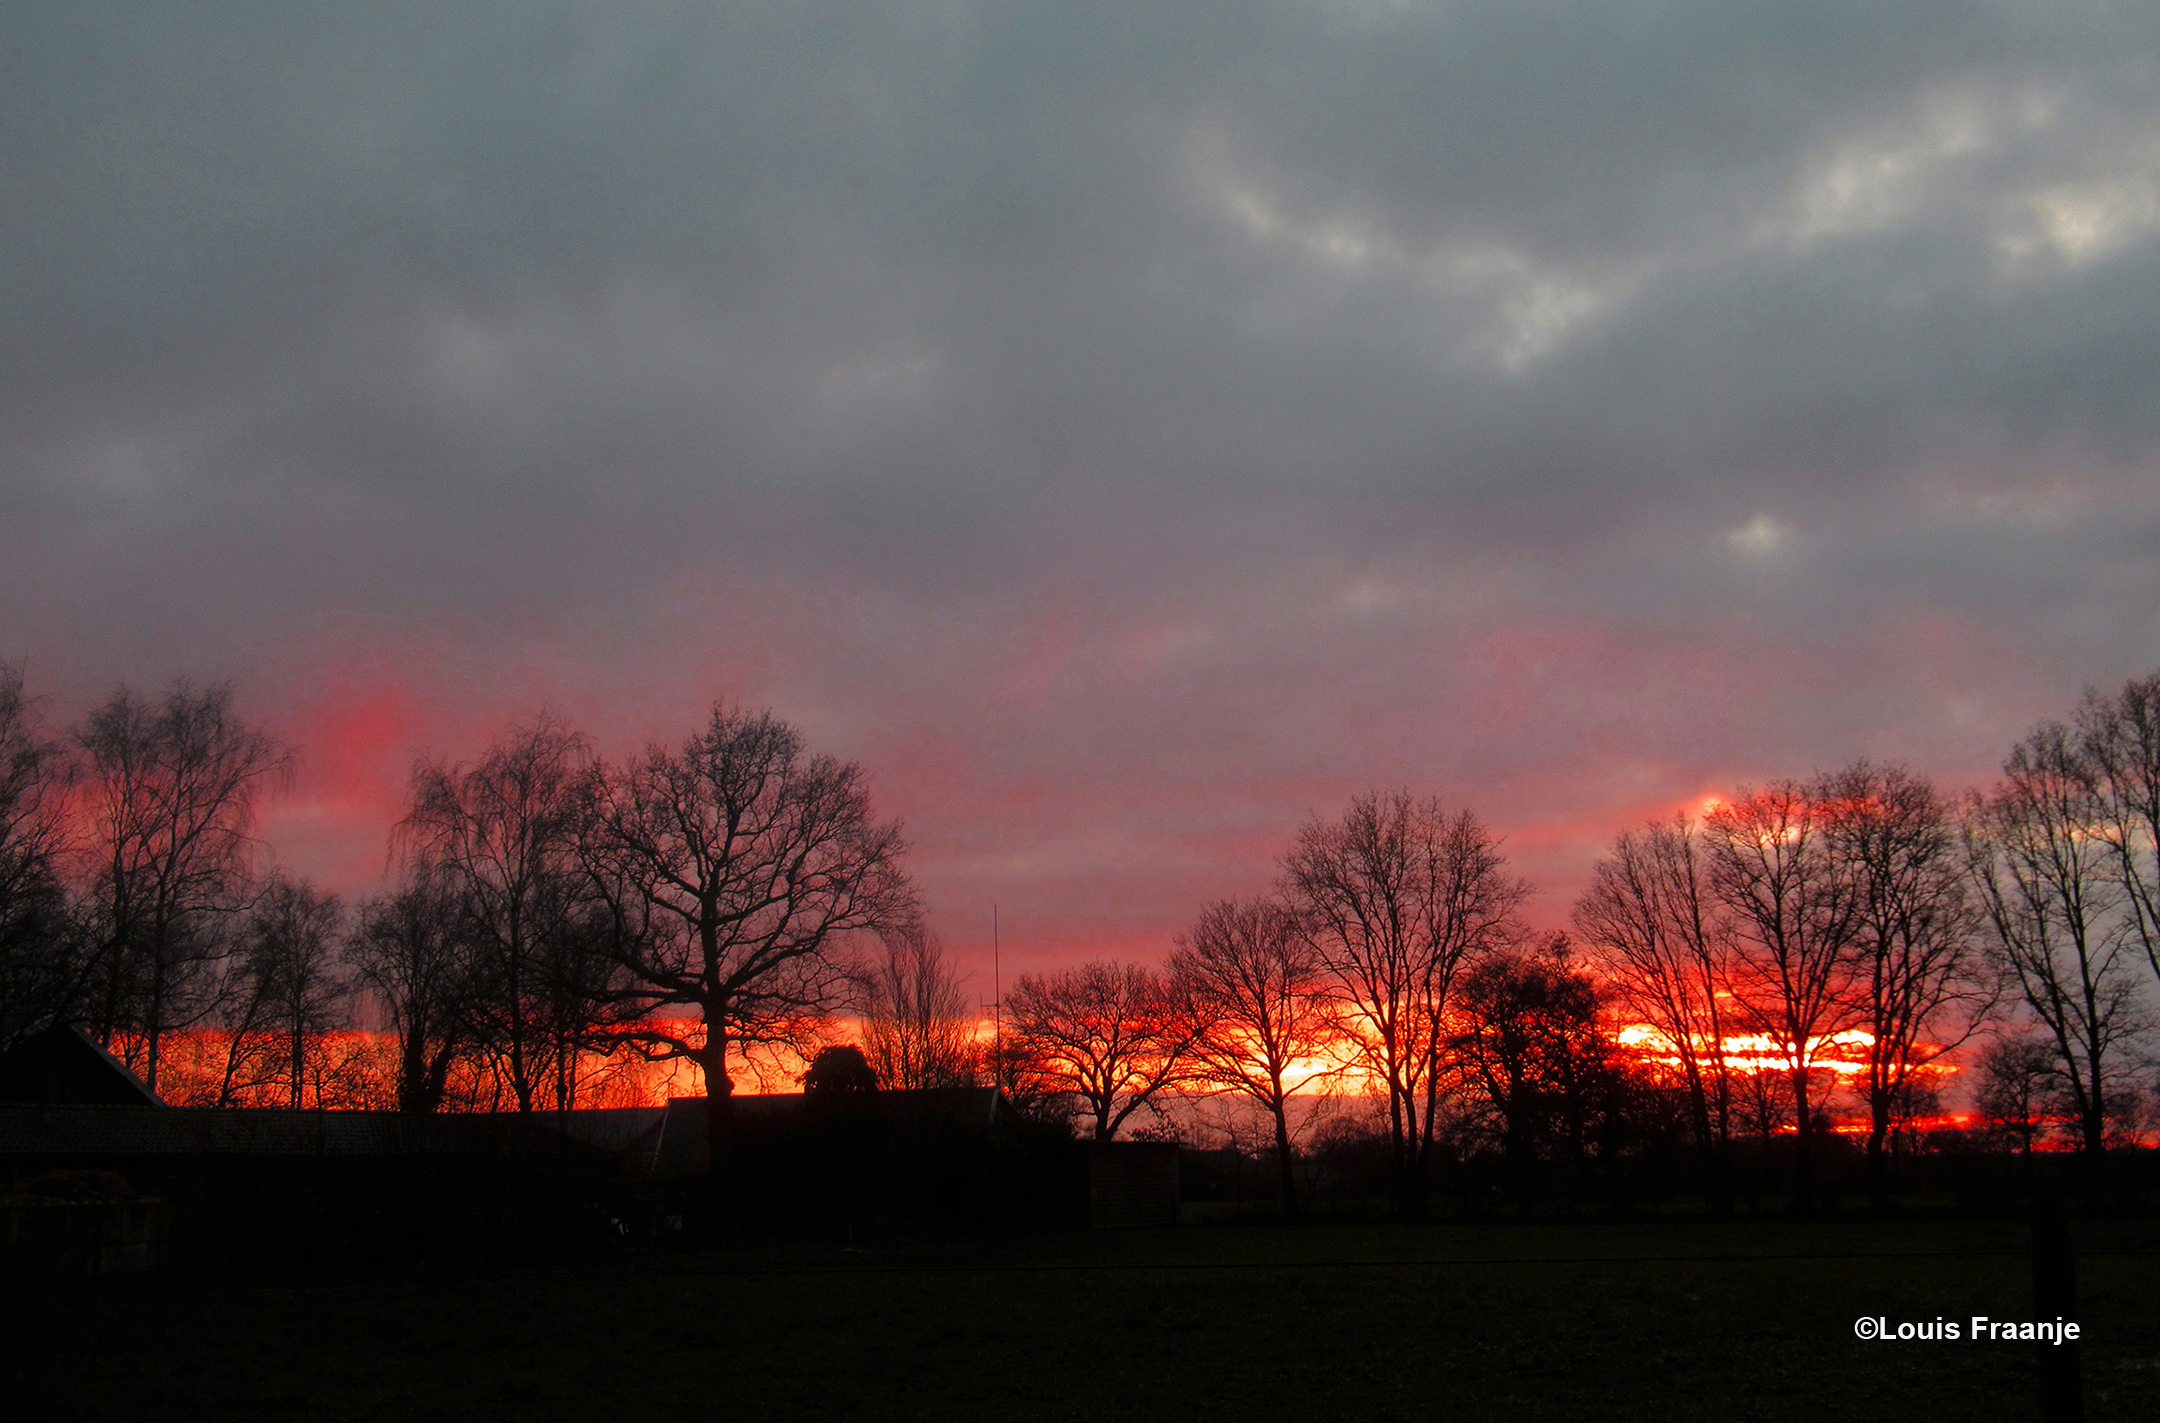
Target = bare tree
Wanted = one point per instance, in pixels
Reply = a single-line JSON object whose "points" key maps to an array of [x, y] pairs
{"points": [[1109, 1034], [408, 948], [1034, 1093], [1396, 896], [916, 1022], [1263, 1015], [737, 869], [2020, 1090], [1532, 1047], [41, 962], [2049, 887], [292, 950], [1657, 933], [1762, 1104], [1923, 982], [503, 835], [246, 1016], [278, 993], [172, 792], [2118, 743], [1796, 907], [583, 988]]}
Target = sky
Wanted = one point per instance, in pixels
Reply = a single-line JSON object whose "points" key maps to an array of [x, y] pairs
{"points": [[1127, 430]]}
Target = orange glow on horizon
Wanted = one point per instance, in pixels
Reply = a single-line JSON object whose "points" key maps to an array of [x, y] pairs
{"points": [[1843, 1054]]}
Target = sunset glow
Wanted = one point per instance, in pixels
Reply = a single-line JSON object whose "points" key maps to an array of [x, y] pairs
{"points": [[983, 710], [1119, 508], [1842, 1054]]}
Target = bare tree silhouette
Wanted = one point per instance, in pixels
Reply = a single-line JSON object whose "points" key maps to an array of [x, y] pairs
{"points": [[1532, 1046], [2020, 1090], [1263, 1015], [1397, 895], [502, 835], [1923, 981], [1657, 932], [42, 965], [1109, 1034], [172, 792], [2118, 742], [2053, 902], [736, 869], [917, 1027], [1796, 906], [292, 950], [410, 954]]}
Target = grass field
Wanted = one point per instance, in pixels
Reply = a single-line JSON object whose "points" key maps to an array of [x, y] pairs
{"points": [[1668, 1322]]}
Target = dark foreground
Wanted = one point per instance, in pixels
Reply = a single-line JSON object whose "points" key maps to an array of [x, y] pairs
{"points": [[1664, 1322]]}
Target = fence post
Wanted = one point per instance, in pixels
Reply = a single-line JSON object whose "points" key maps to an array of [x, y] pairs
{"points": [[2062, 1398]]}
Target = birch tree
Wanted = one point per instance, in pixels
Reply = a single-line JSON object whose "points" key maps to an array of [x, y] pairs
{"points": [[41, 961], [916, 1024], [171, 793]]}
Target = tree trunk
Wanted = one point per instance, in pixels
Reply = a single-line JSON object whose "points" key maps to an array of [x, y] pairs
{"points": [[1878, 1165], [154, 1028], [719, 1128], [1878, 1170], [1520, 1157], [421, 1082], [1803, 1202], [232, 1070], [298, 1048], [1282, 1157], [1717, 1169], [1409, 1159], [719, 1090]]}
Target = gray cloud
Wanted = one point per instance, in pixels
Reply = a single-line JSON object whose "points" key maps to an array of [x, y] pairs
{"points": [[1128, 427]]}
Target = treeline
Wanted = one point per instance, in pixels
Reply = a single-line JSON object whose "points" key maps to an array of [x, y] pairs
{"points": [[554, 914], [1859, 917], [550, 910]]}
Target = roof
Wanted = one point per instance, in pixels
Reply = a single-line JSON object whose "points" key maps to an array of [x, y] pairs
{"points": [[682, 1145], [608, 1128], [84, 1132], [63, 1064]]}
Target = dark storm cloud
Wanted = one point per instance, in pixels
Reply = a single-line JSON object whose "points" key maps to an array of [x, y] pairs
{"points": [[1138, 425]]}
